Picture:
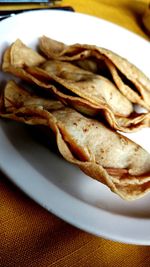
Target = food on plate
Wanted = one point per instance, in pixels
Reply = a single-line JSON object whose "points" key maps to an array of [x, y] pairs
{"points": [[83, 141], [97, 89], [90, 79], [83, 93], [18, 55], [132, 82]]}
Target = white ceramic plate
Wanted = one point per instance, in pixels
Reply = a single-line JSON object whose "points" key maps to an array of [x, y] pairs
{"points": [[49, 180]]}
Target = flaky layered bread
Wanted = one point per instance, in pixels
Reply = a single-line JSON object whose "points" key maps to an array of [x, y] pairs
{"points": [[98, 151]]}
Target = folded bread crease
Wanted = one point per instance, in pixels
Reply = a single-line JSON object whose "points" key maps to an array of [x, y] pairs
{"points": [[76, 84], [97, 150], [124, 73]]}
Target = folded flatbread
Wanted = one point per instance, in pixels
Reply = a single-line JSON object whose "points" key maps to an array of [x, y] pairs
{"points": [[131, 81], [94, 88], [98, 151], [18, 55], [82, 89]]}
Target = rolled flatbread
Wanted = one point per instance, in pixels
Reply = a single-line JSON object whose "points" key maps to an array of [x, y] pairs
{"points": [[98, 151]]}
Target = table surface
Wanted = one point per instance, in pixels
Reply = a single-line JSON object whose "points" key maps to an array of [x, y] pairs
{"points": [[31, 236]]}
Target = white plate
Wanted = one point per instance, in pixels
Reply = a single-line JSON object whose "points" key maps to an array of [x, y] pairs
{"points": [[49, 180]]}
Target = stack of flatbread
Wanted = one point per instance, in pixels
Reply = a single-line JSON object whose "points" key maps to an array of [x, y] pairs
{"points": [[91, 93]]}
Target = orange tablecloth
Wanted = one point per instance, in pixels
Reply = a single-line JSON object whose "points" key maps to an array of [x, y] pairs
{"points": [[31, 236]]}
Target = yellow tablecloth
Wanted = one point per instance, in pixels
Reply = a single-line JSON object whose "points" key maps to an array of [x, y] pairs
{"points": [[31, 236]]}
